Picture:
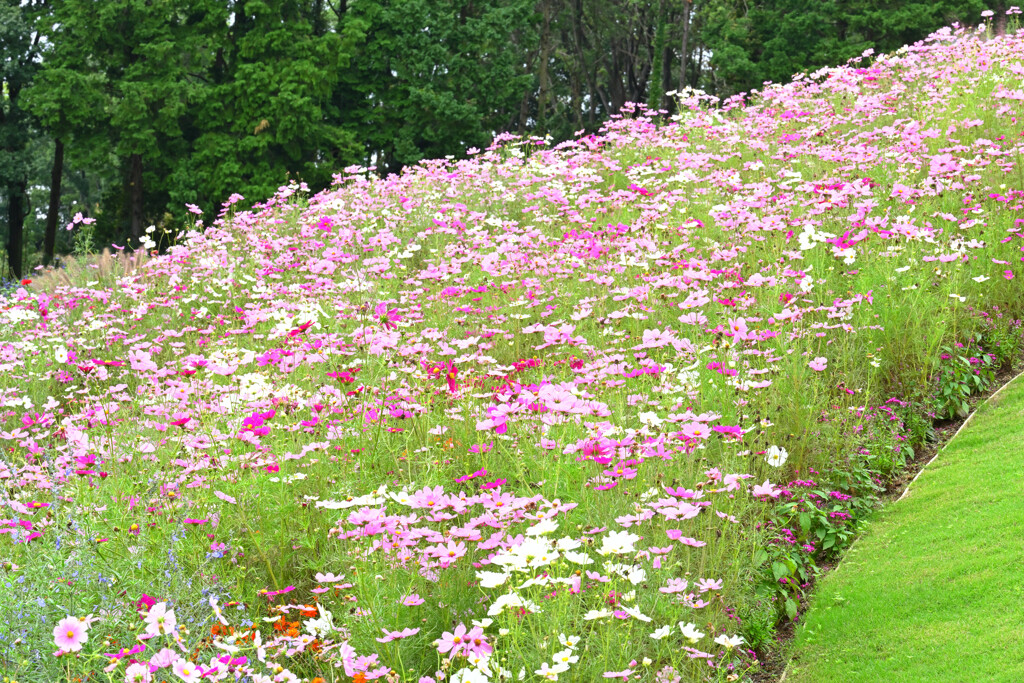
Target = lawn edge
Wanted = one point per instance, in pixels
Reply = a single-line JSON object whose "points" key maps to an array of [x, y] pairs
{"points": [[939, 451]]}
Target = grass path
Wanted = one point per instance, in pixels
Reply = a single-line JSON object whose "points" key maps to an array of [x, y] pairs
{"points": [[934, 590]]}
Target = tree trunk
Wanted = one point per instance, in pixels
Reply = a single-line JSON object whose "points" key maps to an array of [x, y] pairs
{"points": [[577, 99], [317, 20], [56, 173], [135, 215], [684, 52], [544, 80], [524, 111], [583, 66], [700, 63], [1000, 19], [15, 225]]}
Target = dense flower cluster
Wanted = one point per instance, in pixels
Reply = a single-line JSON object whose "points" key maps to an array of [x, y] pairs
{"points": [[539, 414]]}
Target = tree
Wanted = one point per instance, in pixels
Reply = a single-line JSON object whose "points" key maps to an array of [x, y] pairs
{"points": [[18, 50], [432, 77], [64, 102], [267, 111], [764, 40], [116, 83]]}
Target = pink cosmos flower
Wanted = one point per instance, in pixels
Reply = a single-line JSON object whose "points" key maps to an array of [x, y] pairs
{"points": [[70, 633], [695, 430], [453, 643], [447, 370], [738, 329], [477, 642], [388, 316], [186, 671], [429, 498], [397, 635], [163, 659], [677, 535], [160, 620], [145, 602], [765, 489], [138, 673], [818, 364], [675, 586], [412, 600], [125, 652], [705, 585]]}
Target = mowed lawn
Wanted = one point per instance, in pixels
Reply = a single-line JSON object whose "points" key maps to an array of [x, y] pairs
{"points": [[933, 591]]}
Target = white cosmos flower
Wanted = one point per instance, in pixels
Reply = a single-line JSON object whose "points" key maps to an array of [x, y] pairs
{"points": [[578, 558], [550, 673], [776, 456], [618, 543], [690, 632], [510, 600], [565, 656], [729, 642], [491, 579], [650, 419], [402, 497], [217, 611], [543, 527], [637, 576], [360, 501], [635, 613], [323, 626], [530, 554], [571, 642], [595, 614], [661, 632], [567, 543], [469, 676], [535, 581]]}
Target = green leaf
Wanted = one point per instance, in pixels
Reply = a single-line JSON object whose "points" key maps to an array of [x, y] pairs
{"points": [[779, 570], [791, 608]]}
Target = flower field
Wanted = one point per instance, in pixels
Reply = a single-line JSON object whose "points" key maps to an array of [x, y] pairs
{"points": [[579, 412]]}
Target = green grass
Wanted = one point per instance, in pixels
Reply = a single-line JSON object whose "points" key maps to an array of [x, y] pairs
{"points": [[933, 590]]}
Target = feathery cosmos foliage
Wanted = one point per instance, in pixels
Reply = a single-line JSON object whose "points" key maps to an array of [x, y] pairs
{"points": [[590, 411]]}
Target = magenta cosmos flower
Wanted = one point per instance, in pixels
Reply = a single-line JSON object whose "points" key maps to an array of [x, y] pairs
{"points": [[476, 642], [70, 633], [453, 643]]}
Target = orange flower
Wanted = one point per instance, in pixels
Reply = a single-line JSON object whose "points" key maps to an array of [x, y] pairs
{"points": [[359, 678]]}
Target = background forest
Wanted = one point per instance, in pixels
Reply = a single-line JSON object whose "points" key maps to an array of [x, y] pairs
{"points": [[126, 110]]}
